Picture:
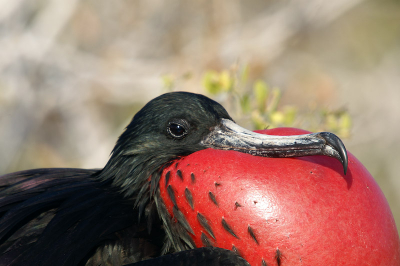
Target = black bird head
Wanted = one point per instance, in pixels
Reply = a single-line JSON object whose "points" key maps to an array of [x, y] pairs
{"points": [[169, 126]]}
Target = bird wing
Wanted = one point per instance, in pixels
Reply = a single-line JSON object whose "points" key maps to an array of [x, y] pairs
{"points": [[60, 215]]}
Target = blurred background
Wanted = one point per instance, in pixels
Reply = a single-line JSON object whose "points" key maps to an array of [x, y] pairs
{"points": [[73, 73]]}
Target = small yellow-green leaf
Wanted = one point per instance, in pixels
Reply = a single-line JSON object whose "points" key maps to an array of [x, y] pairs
{"points": [[245, 103], [211, 82], [258, 120], [344, 125], [277, 118], [289, 115], [245, 75], [225, 80], [331, 122], [261, 89], [275, 98], [345, 120]]}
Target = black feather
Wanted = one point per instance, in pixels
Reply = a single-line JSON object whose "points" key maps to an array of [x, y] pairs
{"points": [[251, 232], [213, 198], [189, 198], [198, 257], [228, 228], [182, 220], [205, 240], [204, 223]]}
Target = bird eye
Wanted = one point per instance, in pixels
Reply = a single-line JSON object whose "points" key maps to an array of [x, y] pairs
{"points": [[176, 130]]}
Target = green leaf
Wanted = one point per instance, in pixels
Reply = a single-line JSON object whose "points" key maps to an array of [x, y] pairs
{"points": [[226, 81], [211, 82], [258, 120], [245, 103], [244, 77], [274, 101], [290, 113], [260, 89]]}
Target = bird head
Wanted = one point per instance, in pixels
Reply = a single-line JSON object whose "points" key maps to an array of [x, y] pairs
{"points": [[180, 123]]}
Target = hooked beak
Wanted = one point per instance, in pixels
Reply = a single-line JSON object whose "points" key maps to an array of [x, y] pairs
{"points": [[230, 136]]}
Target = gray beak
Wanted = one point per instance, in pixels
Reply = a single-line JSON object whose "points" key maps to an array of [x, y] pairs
{"points": [[229, 136]]}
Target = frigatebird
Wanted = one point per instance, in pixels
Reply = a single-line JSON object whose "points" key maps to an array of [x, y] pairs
{"points": [[115, 215]]}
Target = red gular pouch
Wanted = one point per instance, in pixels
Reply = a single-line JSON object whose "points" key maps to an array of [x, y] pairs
{"points": [[282, 211]]}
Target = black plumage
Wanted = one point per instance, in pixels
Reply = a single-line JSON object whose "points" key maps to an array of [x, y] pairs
{"points": [[203, 256], [65, 216], [108, 216]]}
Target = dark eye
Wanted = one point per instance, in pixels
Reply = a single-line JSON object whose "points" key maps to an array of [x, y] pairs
{"points": [[176, 130]]}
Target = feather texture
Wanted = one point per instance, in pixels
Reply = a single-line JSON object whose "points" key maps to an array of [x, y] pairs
{"points": [[71, 216]]}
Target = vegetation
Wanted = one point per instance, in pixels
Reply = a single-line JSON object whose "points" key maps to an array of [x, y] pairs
{"points": [[260, 104]]}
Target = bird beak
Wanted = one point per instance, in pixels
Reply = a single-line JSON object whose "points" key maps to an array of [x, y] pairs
{"points": [[229, 136]]}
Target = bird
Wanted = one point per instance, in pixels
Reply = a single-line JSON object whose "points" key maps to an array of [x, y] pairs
{"points": [[115, 215]]}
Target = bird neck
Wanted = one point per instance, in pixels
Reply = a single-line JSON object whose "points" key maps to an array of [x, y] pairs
{"points": [[134, 176]]}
